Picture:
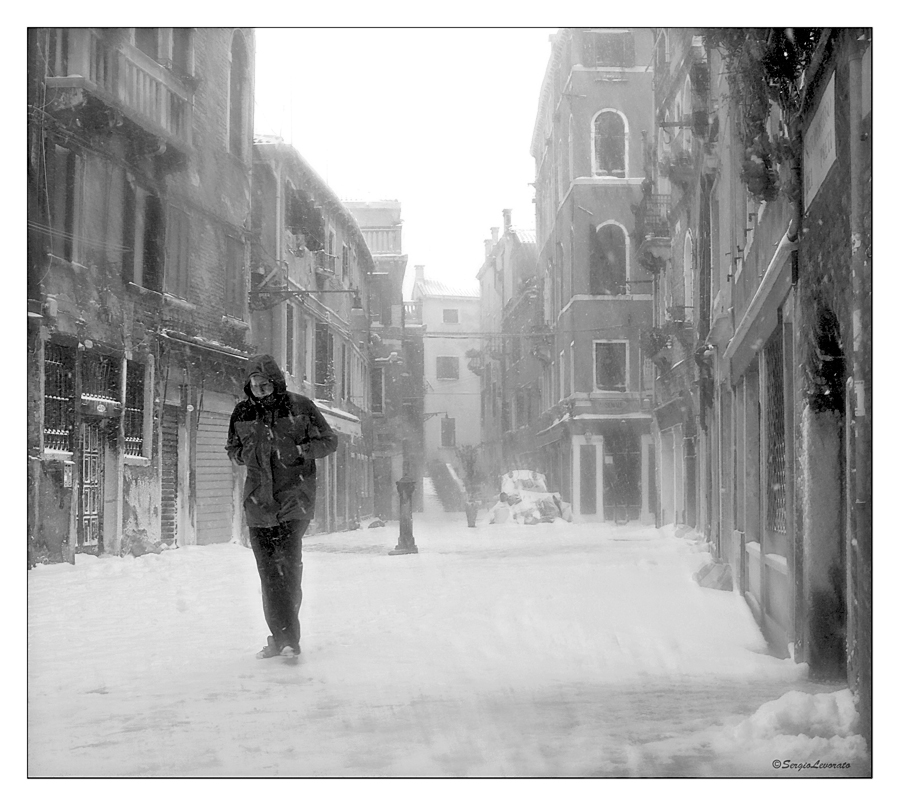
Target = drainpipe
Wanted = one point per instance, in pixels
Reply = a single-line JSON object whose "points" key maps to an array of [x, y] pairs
{"points": [[861, 543]]}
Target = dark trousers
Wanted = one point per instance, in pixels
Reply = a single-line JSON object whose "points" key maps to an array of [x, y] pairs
{"points": [[279, 560]]}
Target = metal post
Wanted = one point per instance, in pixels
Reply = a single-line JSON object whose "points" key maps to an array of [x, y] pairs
{"points": [[407, 543]]}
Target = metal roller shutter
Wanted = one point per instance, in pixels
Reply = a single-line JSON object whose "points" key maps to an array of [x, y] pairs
{"points": [[214, 480], [169, 474]]}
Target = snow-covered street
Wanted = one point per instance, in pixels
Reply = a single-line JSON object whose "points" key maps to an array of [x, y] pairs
{"points": [[548, 650]]}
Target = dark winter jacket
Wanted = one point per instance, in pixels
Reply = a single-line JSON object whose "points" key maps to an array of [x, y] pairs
{"points": [[278, 439]]}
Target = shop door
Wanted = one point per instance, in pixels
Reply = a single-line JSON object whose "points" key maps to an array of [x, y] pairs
{"points": [[90, 499], [215, 505], [622, 476]]}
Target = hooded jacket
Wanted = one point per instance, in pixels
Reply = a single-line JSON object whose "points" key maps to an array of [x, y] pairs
{"points": [[278, 439]]}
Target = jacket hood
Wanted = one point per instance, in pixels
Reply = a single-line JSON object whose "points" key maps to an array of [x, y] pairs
{"points": [[264, 365]]}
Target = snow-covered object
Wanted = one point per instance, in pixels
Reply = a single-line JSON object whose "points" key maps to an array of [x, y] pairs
{"points": [[517, 481]]}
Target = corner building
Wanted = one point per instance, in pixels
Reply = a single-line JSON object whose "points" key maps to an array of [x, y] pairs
{"points": [[594, 432]]}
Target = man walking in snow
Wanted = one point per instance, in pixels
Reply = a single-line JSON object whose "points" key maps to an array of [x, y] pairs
{"points": [[278, 435]]}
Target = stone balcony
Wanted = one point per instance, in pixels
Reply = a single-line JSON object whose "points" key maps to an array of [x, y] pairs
{"points": [[125, 84]]}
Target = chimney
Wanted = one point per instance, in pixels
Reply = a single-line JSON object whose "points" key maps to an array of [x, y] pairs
{"points": [[420, 274], [507, 220], [495, 234]]}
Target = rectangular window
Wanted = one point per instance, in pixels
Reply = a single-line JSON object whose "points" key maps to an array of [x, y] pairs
{"points": [[147, 40], [181, 51], [289, 339], [234, 277], [609, 50], [451, 316], [324, 362], [345, 261], [134, 409], [144, 237], [62, 178], [59, 397], [177, 254], [378, 390], [345, 373], [101, 375], [448, 432], [610, 367], [447, 368]]}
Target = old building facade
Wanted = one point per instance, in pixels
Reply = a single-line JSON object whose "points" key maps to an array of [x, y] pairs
{"points": [[139, 154], [395, 346], [594, 431], [450, 318], [760, 179], [309, 293], [514, 349]]}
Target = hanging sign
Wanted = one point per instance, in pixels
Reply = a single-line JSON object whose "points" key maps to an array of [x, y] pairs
{"points": [[819, 152]]}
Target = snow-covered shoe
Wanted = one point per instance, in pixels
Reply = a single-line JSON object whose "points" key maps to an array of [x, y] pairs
{"points": [[269, 650], [290, 652]]}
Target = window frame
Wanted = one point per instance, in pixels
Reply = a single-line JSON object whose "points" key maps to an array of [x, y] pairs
{"points": [[627, 256], [437, 364], [596, 171], [626, 365], [176, 272]]}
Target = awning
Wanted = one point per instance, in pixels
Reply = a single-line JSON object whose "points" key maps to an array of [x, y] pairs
{"points": [[341, 421]]}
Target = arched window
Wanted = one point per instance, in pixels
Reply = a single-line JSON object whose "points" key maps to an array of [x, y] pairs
{"points": [[562, 163], [571, 148], [688, 277], [237, 103], [662, 51], [609, 137], [687, 111], [608, 266]]}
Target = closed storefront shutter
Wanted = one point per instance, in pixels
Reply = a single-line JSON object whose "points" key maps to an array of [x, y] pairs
{"points": [[214, 480], [169, 484]]}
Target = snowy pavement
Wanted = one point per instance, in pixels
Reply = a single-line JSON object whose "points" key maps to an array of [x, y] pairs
{"points": [[550, 650]]}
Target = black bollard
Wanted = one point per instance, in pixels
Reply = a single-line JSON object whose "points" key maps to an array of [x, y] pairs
{"points": [[407, 543]]}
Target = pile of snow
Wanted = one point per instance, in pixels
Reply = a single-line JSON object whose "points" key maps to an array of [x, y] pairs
{"points": [[801, 728]]}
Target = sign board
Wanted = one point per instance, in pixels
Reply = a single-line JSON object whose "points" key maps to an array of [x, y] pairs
{"points": [[819, 152]]}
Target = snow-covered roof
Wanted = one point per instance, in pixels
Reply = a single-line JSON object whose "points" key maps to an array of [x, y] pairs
{"points": [[435, 288]]}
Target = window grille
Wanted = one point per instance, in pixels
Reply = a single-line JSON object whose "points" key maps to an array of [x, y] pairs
{"points": [[100, 377], [776, 499], [134, 409], [59, 397]]}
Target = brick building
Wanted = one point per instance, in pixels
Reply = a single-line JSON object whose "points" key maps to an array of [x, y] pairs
{"points": [[139, 155]]}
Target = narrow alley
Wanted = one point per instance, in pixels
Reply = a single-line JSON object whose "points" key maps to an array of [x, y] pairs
{"points": [[551, 650]]}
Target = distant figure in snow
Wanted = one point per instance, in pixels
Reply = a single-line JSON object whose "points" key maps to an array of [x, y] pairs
{"points": [[278, 435]]}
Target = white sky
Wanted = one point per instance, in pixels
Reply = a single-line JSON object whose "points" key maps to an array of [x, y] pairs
{"points": [[440, 119]]}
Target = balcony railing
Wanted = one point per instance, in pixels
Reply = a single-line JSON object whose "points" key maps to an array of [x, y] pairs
{"points": [[412, 312], [125, 79], [655, 207]]}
